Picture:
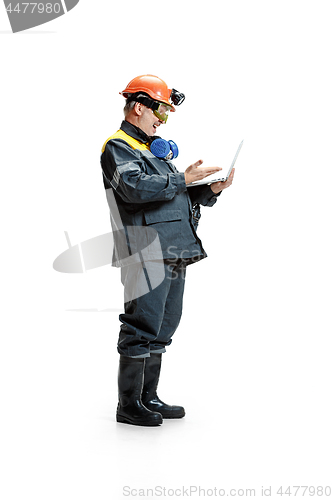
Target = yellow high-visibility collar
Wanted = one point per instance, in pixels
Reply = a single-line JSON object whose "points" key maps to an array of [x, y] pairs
{"points": [[120, 134]]}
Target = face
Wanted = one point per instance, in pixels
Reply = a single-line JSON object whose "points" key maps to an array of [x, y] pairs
{"points": [[147, 121]]}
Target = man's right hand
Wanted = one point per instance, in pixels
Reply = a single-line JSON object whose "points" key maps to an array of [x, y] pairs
{"points": [[196, 173]]}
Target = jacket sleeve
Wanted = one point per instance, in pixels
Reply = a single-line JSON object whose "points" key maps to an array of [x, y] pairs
{"points": [[125, 171], [203, 195]]}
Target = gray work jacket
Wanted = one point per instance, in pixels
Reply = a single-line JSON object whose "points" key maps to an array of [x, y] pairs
{"points": [[147, 196]]}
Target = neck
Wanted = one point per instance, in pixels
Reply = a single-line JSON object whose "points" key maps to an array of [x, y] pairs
{"points": [[145, 138]]}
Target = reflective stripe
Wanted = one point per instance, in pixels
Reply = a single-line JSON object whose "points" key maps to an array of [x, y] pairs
{"points": [[115, 179], [126, 167]]}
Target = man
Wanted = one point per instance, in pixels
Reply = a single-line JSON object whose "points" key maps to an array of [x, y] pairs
{"points": [[148, 197]]}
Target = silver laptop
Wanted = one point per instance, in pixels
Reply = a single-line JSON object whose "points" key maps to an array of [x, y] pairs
{"points": [[219, 179]]}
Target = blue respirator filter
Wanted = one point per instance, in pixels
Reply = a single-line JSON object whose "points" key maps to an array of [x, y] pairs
{"points": [[164, 149]]}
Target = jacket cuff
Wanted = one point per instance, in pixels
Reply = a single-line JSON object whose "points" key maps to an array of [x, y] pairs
{"points": [[180, 182], [213, 199], [208, 198]]}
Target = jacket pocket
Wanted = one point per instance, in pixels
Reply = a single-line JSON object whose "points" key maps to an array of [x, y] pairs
{"points": [[160, 216], [169, 227]]}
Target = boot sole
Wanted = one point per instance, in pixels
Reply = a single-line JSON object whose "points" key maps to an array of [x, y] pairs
{"points": [[173, 416], [125, 420]]}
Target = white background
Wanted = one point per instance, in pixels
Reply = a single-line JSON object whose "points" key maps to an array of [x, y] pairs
{"points": [[252, 359]]}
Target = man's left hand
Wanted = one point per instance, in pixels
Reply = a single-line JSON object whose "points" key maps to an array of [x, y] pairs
{"points": [[217, 187]]}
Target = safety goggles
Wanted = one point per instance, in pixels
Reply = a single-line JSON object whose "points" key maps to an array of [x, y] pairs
{"points": [[161, 111]]}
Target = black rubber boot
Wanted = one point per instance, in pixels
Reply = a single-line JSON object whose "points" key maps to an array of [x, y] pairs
{"points": [[130, 408], [149, 396]]}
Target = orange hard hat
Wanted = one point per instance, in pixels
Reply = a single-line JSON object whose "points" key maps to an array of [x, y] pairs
{"points": [[155, 87]]}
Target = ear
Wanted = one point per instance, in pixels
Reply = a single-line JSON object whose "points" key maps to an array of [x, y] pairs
{"points": [[138, 108]]}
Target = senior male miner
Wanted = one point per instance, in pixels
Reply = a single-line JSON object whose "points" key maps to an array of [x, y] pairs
{"points": [[154, 216]]}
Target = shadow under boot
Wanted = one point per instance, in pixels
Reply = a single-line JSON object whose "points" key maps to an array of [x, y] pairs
{"points": [[149, 395], [130, 409]]}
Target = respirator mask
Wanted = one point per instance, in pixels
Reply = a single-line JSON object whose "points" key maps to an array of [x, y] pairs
{"points": [[167, 150]]}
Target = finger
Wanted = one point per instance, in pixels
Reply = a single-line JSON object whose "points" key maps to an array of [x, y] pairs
{"points": [[194, 166], [211, 169], [208, 171], [197, 163], [205, 170]]}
